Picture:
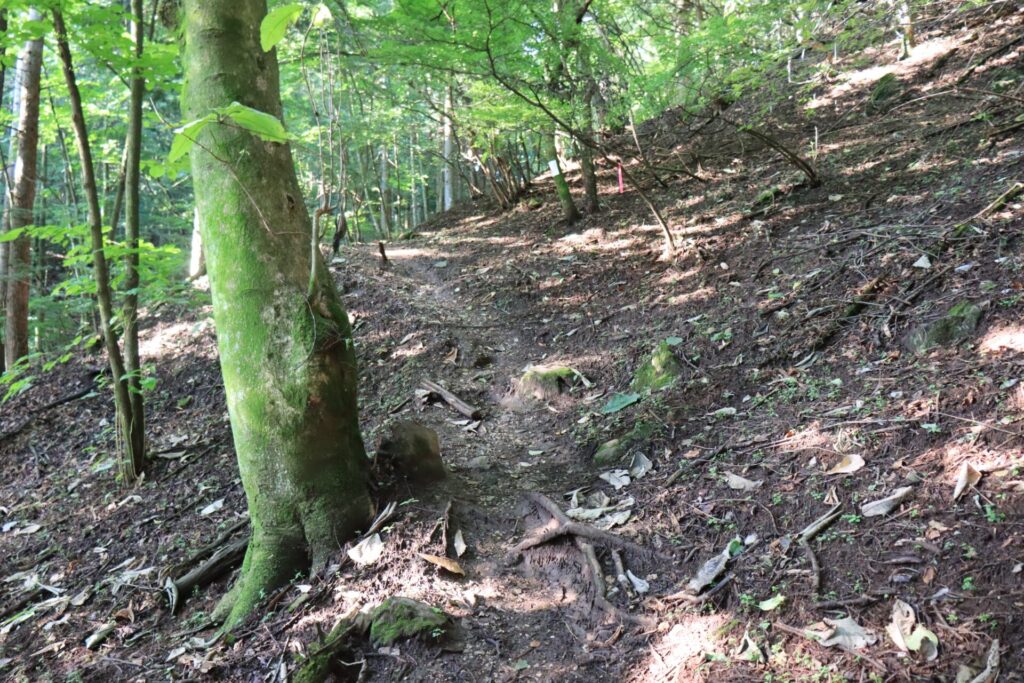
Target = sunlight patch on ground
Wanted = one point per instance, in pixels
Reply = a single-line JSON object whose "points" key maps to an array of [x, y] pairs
{"points": [[679, 654], [408, 253], [922, 54], [1002, 339], [702, 294], [167, 339]]}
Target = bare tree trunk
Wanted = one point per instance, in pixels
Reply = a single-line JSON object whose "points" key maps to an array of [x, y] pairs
{"points": [[132, 466], [448, 170], [22, 197], [104, 296], [196, 260]]}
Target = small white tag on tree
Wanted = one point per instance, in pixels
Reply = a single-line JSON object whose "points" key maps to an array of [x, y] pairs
{"points": [[553, 165]]}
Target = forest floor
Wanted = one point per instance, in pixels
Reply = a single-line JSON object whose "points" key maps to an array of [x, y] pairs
{"points": [[791, 322]]}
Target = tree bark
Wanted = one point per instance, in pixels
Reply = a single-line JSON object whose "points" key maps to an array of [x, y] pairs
{"points": [[288, 360], [136, 432], [448, 150], [22, 200], [104, 296], [569, 211]]}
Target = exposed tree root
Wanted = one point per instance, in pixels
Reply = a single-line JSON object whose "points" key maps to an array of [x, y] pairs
{"points": [[583, 538]]}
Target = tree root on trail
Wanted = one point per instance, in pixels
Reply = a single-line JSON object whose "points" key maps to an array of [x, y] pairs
{"points": [[222, 561], [584, 538]]}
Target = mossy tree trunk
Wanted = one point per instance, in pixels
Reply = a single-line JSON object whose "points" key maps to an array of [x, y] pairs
{"points": [[569, 211], [285, 346]]}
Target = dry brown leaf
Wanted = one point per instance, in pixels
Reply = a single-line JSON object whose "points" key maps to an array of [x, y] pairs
{"points": [[968, 477], [848, 465], [444, 563]]}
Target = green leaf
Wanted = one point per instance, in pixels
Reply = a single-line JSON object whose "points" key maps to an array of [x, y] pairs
{"points": [[674, 341], [276, 24], [185, 136], [771, 603], [618, 402], [260, 124], [11, 235]]}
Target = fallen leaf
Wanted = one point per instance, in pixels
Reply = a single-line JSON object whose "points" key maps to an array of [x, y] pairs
{"points": [[935, 530], [30, 529], [639, 585], [848, 465], [846, 633], [367, 551], [618, 402], [640, 466], [967, 478], [459, 543], [924, 263], [910, 636], [771, 603], [738, 483], [98, 636], [444, 563], [710, 570], [886, 505], [212, 507], [724, 412], [617, 478]]}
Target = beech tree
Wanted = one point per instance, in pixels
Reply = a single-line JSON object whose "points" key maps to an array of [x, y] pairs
{"points": [[285, 341], [16, 259]]}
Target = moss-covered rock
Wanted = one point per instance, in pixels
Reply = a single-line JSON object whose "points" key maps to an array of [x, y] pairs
{"points": [[659, 371], [546, 382], [400, 618], [610, 452], [957, 324]]}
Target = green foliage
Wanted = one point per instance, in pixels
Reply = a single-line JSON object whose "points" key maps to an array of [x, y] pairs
{"points": [[276, 24]]}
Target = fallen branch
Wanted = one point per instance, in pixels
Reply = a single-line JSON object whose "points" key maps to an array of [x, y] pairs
{"points": [[454, 401], [219, 564]]}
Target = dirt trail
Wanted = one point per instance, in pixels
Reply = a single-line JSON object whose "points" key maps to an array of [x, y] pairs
{"points": [[537, 613]]}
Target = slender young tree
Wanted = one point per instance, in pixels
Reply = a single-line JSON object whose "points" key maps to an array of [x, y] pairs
{"points": [[22, 197], [132, 442], [130, 312], [285, 341]]}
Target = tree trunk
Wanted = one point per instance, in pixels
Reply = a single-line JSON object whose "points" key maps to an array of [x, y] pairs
{"points": [[385, 193], [22, 200], [285, 341], [569, 211], [448, 170], [196, 260], [136, 432], [104, 296]]}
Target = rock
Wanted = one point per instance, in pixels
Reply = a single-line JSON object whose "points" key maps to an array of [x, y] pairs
{"points": [[957, 324], [610, 453], [414, 451], [659, 371], [546, 382], [400, 618]]}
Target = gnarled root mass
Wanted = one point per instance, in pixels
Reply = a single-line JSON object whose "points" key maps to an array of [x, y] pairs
{"points": [[585, 538]]}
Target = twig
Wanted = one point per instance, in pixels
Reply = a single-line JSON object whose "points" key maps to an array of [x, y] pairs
{"points": [[683, 596], [454, 401], [815, 569]]}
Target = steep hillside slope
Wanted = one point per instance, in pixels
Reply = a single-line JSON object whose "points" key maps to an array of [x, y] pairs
{"points": [[817, 349]]}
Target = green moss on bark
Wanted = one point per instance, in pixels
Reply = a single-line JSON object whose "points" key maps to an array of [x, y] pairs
{"points": [[287, 359]]}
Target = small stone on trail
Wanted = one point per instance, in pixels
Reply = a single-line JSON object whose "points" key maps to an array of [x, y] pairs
{"points": [[414, 451]]}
